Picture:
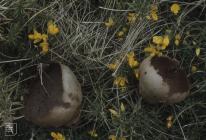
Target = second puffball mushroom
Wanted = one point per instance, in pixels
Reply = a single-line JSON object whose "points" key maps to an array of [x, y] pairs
{"points": [[54, 97], [162, 80]]}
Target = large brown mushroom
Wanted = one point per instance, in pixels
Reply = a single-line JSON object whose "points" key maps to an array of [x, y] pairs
{"points": [[162, 80], [54, 97]]}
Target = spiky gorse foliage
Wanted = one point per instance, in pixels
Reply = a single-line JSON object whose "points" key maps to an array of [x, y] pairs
{"points": [[8, 106], [104, 43]]}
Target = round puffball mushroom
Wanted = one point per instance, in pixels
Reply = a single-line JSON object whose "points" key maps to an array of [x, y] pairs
{"points": [[162, 80], [54, 97]]}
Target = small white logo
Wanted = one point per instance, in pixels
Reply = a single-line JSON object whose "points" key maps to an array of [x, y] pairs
{"points": [[10, 129]]}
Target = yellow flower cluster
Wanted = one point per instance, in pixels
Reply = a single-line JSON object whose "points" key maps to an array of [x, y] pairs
{"points": [[43, 38], [113, 137], [132, 17], [93, 133], [37, 37], [175, 8], [160, 43], [113, 66], [169, 121], [121, 33], [152, 50], [153, 13], [109, 23], [45, 46], [120, 81], [57, 136], [52, 28], [133, 63]]}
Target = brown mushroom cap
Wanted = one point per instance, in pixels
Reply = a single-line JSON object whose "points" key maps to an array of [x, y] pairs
{"points": [[54, 99], [162, 80]]}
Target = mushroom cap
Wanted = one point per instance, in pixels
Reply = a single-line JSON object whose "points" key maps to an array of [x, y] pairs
{"points": [[162, 80], [54, 97]]}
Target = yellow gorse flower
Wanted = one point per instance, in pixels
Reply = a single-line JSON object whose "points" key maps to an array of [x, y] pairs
{"points": [[177, 39], [154, 16], [120, 34], [52, 28], [157, 40], [175, 8], [57, 136], [131, 54], [44, 37], [169, 124], [120, 81], [170, 118], [132, 60], [177, 36], [44, 46], [136, 73], [36, 36], [112, 66], [165, 42], [162, 41], [132, 17], [122, 138], [93, 133], [113, 137], [169, 121], [109, 23], [152, 51], [153, 13]]}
